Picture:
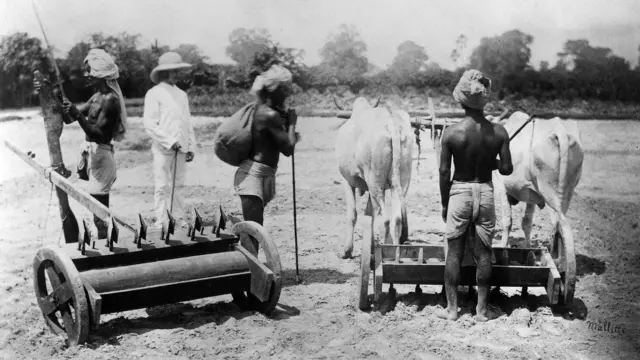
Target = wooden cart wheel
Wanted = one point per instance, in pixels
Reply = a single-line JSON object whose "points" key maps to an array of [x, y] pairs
{"points": [[67, 297], [563, 254], [249, 232], [366, 266]]}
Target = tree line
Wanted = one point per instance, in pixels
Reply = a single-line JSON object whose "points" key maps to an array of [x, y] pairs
{"points": [[582, 71]]}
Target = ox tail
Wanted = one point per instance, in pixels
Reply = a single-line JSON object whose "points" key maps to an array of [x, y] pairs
{"points": [[398, 211]]}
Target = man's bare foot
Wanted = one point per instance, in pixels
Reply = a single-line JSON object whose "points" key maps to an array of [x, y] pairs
{"points": [[447, 314], [484, 315], [480, 318]]}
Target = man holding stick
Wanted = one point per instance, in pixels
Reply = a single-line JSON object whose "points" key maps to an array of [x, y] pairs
{"points": [[103, 119], [467, 201], [167, 120], [273, 132]]}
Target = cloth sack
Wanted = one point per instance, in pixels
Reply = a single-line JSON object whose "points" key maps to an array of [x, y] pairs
{"points": [[233, 139]]}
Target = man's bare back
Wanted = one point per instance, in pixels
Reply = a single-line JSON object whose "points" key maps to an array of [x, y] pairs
{"points": [[474, 144], [270, 137]]}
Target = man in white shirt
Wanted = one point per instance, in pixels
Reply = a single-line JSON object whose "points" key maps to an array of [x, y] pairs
{"points": [[167, 120]]}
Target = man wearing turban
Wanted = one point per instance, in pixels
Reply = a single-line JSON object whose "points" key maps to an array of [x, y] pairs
{"points": [[467, 199], [103, 118], [273, 132]]}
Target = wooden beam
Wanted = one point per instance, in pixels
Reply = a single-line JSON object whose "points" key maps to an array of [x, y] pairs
{"points": [[53, 125], [261, 276], [64, 185], [428, 274]]}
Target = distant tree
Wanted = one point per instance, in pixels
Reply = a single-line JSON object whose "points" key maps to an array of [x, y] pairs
{"points": [[461, 45], [503, 57], [20, 55], [408, 62], [343, 58]]}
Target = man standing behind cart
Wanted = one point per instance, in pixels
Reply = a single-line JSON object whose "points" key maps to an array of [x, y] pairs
{"points": [[474, 143], [167, 120]]}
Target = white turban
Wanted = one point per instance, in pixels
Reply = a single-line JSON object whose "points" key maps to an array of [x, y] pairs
{"points": [[103, 67], [272, 78], [471, 92]]}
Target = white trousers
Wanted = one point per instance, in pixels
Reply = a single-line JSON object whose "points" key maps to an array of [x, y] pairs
{"points": [[163, 167]]}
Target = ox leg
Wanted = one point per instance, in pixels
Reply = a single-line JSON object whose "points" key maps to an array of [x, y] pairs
{"points": [[506, 212], [527, 222], [352, 218]]}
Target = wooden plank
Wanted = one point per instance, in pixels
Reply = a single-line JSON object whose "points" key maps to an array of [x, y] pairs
{"points": [[554, 281], [428, 274], [377, 273], [101, 257], [261, 276], [140, 298], [95, 304], [411, 251], [79, 195], [503, 256]]}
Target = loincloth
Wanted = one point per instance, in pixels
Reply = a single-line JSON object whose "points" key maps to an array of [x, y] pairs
{"points": [[471, 202], [101, 168], [254, 178]]}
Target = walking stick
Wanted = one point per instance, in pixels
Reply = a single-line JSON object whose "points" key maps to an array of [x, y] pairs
{"points": [[173, 185], [295, 225]]}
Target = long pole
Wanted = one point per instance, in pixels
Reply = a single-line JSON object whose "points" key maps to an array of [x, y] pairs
{"points": [[295, 224], [173, 183], [53, 60]]}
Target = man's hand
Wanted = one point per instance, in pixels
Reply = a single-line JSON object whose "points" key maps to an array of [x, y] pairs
{"points": [[176, 146], [190, 156], [444, 213], [36, 85], [292, 117], [70, 109]]}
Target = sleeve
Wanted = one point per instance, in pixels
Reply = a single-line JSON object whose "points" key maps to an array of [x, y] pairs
{"points": [[192, 136], [151, 120]]}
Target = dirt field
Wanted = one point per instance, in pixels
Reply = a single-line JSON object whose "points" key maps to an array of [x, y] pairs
{"points": [[319, 318]]}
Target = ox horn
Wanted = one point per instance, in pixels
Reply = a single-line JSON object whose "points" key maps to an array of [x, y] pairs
{"points": [[335, 101], [377, 102], [503, 115]]}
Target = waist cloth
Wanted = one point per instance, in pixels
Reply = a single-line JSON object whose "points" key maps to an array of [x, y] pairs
{"points": [[471, 202], [101, 168], [254, 178]]}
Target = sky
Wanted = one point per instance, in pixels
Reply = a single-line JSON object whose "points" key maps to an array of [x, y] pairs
{"points": [[306, 24]]}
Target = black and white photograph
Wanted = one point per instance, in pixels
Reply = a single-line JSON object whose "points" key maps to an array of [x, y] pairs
{"points": [[319, 179]]}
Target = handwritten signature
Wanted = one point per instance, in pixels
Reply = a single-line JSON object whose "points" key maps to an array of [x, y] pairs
{"points": [[605, 326]]}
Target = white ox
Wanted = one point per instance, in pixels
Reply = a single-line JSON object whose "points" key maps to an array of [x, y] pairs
{"points": [[374, 152], [547, 165]]}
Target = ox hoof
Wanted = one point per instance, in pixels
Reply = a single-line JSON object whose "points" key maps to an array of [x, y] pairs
{"points": [[346, 254]]}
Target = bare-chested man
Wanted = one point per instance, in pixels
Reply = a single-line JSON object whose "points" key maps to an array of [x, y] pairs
{"points": [[274, 132], [474, 143], [103, 119]]}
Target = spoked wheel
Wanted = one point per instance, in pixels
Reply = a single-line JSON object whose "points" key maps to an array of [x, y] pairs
{"points": [[365, 267], [62, 297], [250, 233], [563, 254]]}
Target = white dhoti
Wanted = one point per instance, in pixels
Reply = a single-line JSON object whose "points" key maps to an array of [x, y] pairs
{"points": [[101, 168], [163, 167]]}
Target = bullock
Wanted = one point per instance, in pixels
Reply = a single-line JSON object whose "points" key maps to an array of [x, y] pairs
{"points": [[547, 160], [374, 153]]}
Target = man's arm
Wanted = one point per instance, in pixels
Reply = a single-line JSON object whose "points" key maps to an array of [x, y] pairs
{"points": [[192, 135], [107, 119], [505, 167], [151, 121], [445, 168], [285, 140]]}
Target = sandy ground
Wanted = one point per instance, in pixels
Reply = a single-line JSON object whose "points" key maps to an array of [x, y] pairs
{"points": [[319, 318]]}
